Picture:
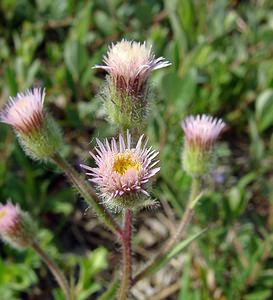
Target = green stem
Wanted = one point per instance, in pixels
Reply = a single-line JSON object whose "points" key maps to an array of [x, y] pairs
{"points": [[126, 280], [58, 274], [194, 196], [88, 194]]}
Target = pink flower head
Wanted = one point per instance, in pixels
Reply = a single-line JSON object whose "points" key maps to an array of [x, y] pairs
{"points": [[9, 218], [122, 172], [15, 226], [25, 111], [202, 131], [129, 65]]}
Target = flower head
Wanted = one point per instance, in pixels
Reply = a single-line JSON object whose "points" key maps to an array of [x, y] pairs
{"points": [[25, 111], [201, 133], [129, 64], [15, 226], [38, 133], [127, 90], [123, 172]]}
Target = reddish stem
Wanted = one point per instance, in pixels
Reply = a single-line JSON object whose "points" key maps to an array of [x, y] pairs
{"points": [[126, 256]]}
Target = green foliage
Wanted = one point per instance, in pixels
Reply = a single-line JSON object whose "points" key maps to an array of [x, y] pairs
{"points": [[221, 54], [165, 259], [89, 265]]}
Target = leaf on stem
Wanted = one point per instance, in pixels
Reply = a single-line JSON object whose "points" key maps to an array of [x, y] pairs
{"points": [[175, 251]]}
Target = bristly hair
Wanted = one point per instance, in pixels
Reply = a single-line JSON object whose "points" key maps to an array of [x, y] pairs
{"points": [[129, 65], [25, 111], [202, 130], [123, 171]]}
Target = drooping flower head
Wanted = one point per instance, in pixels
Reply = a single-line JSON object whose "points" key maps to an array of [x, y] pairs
{"points": [[16, 227], [25, 111], [129, 65], [123, 172], [201, 132], [37, 132]]}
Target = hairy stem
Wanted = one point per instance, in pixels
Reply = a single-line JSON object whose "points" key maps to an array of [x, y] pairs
{"points": [[57, 273], [126, 280], [88, 194], [194, 196], [195, 191]]}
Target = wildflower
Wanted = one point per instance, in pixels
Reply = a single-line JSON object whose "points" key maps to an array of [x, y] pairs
{"points": [[16, 227], [129, 65], [25, 111], [201, 133], [37, 132], [123, 172]]}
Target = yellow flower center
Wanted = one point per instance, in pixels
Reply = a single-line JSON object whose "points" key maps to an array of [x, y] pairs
{"points": [[124, 162], [2, 213]]}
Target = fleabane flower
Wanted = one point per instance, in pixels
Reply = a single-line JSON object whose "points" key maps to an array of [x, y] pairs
{"points": [[16, 226], [37, 132], [123, 172], [201, 132], [129, 65], [25, 111]]}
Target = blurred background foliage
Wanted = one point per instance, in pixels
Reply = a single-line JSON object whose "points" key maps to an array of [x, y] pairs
{"points": [[221, 53]]}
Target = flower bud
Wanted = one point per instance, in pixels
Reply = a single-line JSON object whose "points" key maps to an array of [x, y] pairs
{"points": [[16, 226], [201, 133], [127, 89], [37, 132], [123, 172]]}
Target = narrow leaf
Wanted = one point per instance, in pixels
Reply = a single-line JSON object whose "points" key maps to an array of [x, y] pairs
{"points": [[110, 292], [175, 251]]}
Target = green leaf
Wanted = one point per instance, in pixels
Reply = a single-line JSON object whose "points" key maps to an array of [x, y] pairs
{"points": [[104, 23], [180, 91], [111, 291], [171, 254], [185, 280], [32, 72], [82, 22], [90, 265], [179, 33], [257, 146], [76, 58], [10, 80], [234, 199], [261, 295], [264, 109], [93, 288], [187, 14]]}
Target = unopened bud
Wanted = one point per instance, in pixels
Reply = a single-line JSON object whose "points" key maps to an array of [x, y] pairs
{"points": [[37, 132], [201, 133], [16, 226], [127, 90]]}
